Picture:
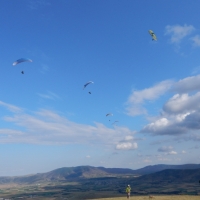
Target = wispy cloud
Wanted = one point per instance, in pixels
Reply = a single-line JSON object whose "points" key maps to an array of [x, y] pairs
{"points": [[10, 107], [196, 70], [35, 4], [49, 95], [48, 127], [44, 68], [196, 40], [178, 32], [138, 98]]}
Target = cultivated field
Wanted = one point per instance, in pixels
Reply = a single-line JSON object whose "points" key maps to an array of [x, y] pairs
{"points": [[167, 197]]}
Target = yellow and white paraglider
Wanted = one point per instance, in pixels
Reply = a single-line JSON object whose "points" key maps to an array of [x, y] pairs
{"points": [[152, 35]]}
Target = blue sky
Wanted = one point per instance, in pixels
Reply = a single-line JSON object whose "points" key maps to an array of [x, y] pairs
{"points": [[48, 121]]}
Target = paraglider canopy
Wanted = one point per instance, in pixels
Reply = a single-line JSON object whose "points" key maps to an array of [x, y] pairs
{"points": [[152, 35], [22, 60], [87, 84], [109, 114], [115, 122]]}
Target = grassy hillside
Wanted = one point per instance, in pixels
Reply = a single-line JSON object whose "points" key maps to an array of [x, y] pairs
{"points": [[178, 197]]}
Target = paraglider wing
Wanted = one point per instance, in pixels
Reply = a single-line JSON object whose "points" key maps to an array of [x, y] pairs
{"points": [[115, 122], [22, 60], [152, 35], [109, 114], [87, 84]]}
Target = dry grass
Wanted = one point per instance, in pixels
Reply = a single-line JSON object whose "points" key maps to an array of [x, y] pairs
{"points": [[169, 197]]}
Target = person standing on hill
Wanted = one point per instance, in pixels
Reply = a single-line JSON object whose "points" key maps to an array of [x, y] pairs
{"points": [[128, 191]]}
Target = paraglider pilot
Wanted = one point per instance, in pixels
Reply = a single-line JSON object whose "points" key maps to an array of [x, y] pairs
{"points": [[128, 191]]}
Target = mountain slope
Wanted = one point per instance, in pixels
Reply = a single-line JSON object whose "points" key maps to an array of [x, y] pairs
{"points": [[172, 175], [159, 173], [156, 168]]}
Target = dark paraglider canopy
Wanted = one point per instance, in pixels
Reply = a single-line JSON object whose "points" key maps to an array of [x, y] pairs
{"points": [[109, 114], [86, 84]]}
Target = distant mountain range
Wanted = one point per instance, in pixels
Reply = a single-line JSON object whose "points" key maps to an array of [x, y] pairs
{"points": [[173, 176], [156, 168], [148, 173]]}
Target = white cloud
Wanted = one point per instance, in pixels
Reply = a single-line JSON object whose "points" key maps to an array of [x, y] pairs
{"points": [[196, 40], [183, 152], [172, 153], [163, 126], [181, 113], [137, 98], [127, 143], [175, 125], [126, 146], [178, 32], [182, 104]]}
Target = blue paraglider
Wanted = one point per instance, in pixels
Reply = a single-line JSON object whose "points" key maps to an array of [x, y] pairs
{"points": [[22, 60]]}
